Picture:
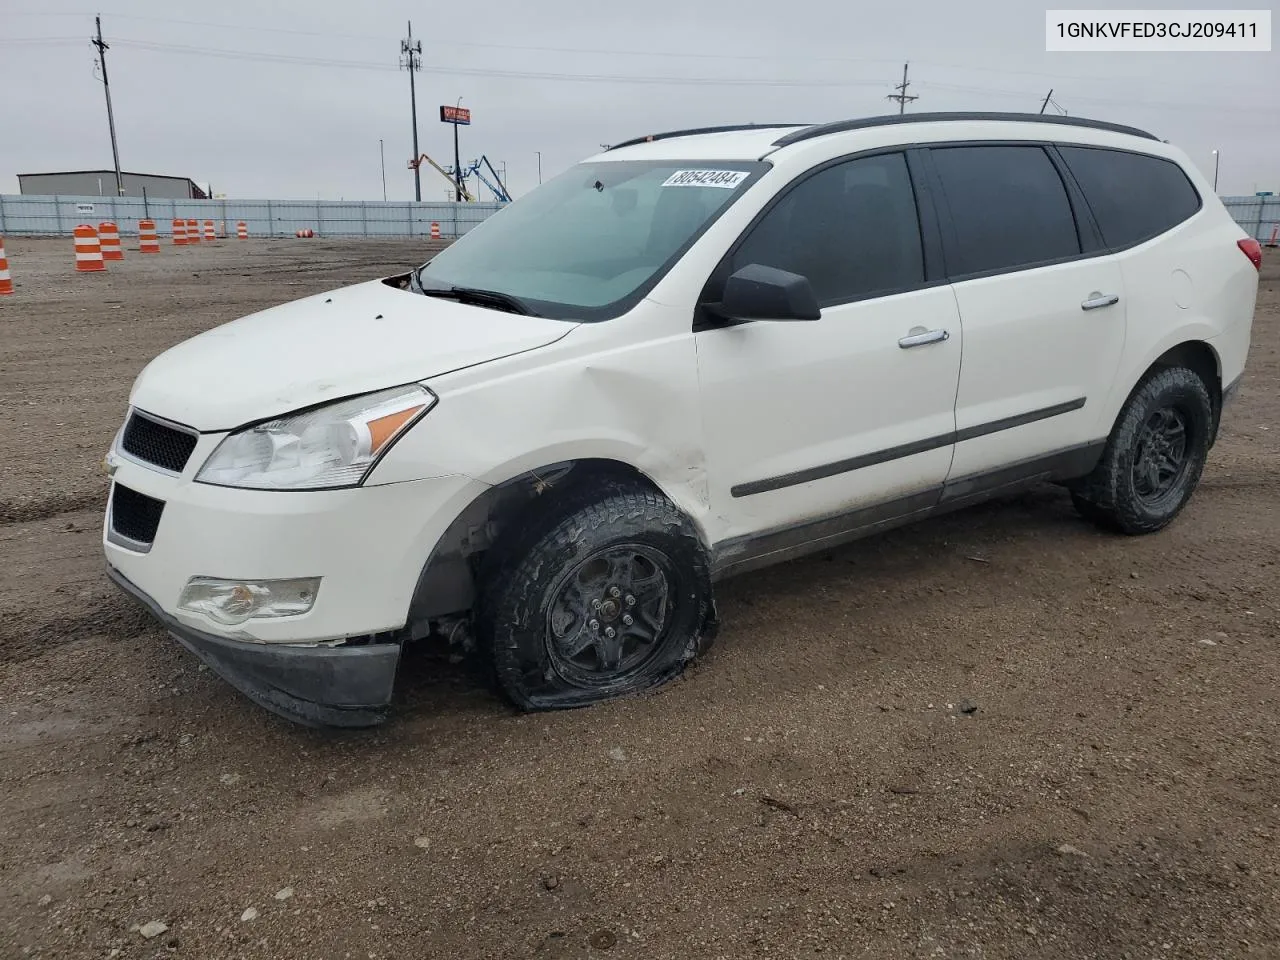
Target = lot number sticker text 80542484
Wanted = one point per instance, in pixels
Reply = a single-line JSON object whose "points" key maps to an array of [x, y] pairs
{"points": [[727, 179]]}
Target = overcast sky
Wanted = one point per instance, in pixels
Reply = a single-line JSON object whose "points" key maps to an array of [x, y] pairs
{"points": [[289, 98]]}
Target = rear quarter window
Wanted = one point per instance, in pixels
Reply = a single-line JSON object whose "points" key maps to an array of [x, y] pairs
{"points": [[1133, 197]]}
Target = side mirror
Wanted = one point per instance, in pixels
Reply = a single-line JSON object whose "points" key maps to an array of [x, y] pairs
{"points": [[757, 292]]}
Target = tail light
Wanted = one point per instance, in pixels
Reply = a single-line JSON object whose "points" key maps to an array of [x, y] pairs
{"points": [[1253, 250]]}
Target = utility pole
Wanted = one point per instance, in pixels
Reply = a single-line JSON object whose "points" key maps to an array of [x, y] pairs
{"points": [[106, 87], [539, 153], [383, 154], [1047, 97], [901, 96], [411, 60]]}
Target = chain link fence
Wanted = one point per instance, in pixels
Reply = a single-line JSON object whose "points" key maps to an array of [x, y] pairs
{"points": [[58, 216]]}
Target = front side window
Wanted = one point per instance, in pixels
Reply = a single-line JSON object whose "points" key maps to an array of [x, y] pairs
{"points": [[590, 243], [1134, 197], [1008, 206], [851, 229]]}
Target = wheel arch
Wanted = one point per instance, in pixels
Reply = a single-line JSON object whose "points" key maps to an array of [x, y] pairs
{"points": [[1202, 359], [1194, 353], [446, 586]]}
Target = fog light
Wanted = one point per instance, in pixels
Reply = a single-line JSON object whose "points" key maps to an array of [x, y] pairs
{"points": [[235, 601]]}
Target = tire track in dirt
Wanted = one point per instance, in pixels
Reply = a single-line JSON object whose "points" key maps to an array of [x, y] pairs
{"points": [[46, 508]]}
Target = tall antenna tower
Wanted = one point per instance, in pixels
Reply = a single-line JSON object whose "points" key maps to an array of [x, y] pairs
{"points": [[411, 60]]}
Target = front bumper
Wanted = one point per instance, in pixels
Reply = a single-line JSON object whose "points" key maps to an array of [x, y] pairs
{"points": [[367, 545], [318, 686]]}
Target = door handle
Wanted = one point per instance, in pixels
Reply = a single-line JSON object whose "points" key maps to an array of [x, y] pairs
{"points": [[1097, 300], [920, 339]]}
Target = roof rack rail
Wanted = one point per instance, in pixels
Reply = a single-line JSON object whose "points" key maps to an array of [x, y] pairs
{"points": [[840, 126], [698, 130]]}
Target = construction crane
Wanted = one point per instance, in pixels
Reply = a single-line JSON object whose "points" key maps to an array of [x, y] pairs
{"points": [[499, 191], [415, 164]]}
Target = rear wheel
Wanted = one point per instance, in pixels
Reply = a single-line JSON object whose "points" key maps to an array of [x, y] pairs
{"points": [[606, 597], [1154, 457]]}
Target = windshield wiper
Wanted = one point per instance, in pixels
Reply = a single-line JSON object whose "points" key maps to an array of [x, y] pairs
{"points": [[482, 298]]}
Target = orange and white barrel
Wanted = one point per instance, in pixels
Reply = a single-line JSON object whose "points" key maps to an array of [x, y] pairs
{"points": [[88, 250], [148, 242], [179, 233], [242, 231], [435, 231], [109, 241], [6, 281], [209, 233], [193, 231]]}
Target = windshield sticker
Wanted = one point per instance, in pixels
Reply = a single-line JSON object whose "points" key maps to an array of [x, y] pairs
{"points": [[727, 179]]}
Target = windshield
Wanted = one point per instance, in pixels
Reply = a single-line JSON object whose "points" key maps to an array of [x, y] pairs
{"points": [[592, 242]]}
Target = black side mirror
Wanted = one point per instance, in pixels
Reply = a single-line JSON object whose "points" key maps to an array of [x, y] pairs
{"points": [[757, 292]]}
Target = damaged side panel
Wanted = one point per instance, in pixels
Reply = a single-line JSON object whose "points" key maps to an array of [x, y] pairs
{"points": [[591, 410], [573, 400]]}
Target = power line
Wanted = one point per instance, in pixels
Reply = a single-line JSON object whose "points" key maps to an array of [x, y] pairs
{"points": [[637, 79], [482, 72], [902, 96]]}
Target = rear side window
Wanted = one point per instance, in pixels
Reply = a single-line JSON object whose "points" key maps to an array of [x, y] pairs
{"points": [[1008, 206], [851, 229], [1133, 197]]}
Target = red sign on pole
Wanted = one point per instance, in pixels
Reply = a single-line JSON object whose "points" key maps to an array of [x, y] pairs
{"points": [[460, 115]]}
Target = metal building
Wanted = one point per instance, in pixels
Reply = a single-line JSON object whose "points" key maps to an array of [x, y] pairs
{"points": [[102, 183]]}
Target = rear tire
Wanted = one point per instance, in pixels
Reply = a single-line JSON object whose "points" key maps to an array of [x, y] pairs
{"points": [[608, 596], [1154, 456]]}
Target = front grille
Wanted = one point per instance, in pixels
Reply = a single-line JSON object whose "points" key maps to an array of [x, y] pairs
{"points": [[156, 443], [135, 516]]}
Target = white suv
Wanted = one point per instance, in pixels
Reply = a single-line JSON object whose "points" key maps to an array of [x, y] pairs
{"points": [[694, 354]]}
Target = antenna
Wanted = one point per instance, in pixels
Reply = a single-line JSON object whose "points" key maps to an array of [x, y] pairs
{"points": [[411, 60]]}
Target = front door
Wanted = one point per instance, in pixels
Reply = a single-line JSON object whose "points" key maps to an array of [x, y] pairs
{"points": [[809, 420]]}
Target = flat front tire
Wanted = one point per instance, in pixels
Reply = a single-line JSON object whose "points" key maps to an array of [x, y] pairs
{"points": [[607, 597]]}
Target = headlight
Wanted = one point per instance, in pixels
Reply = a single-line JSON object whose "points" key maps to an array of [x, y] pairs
{"points": [[332, 446]]}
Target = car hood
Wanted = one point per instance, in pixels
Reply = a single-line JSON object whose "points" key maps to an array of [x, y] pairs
{"points": [[337, 344]]}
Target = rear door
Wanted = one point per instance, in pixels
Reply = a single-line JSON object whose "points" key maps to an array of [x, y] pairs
{"points": [[1043, 308]]}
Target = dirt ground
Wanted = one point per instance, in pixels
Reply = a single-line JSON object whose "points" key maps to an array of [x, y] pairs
{"points": [[998, 734]]}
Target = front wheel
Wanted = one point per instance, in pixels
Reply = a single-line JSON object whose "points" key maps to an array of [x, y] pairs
{"points": [[1154, 456], [607, 598]]}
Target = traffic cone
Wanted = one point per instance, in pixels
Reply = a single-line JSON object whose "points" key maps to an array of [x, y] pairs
{"points": [[6, 281], [179, 233], [193, 231], [109, 241], [148, 242], [435, 231], [242, 231], [88, 250], [209, 233]]}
